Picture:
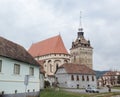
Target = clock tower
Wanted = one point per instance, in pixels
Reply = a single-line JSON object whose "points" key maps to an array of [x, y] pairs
{"points": [[81, 51]]}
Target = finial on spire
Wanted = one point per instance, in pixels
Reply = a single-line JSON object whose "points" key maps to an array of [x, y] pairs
{"points": [[80, 23], [80, 19]]}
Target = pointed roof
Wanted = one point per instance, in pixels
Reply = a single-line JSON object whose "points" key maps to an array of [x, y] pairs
{"points": [[77, 69], [80, 40], [48, 46], [14, 51]]}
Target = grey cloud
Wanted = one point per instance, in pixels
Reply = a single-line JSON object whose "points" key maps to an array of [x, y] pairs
{"points": [[29, 21]]}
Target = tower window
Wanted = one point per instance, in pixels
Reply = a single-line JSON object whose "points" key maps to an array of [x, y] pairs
{"points": [[74, 58], [45, 65]]}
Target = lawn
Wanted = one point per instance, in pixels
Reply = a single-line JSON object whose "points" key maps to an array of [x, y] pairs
{"points": [[116, 87], [61, 93], [53, 93]]}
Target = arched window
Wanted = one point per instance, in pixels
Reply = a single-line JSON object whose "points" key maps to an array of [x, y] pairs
{"points": [[72, 77], [56, 66], [83, 78], [57, 63], [50, 66], [65, 61], [45, 65]]}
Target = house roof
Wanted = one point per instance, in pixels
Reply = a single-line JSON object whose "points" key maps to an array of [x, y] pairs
{"points": [[48, 46], [77, 69], [14, 51], [111, 73]]}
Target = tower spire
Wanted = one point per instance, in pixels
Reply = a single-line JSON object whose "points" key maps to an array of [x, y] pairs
{"points": [[80, 23]]}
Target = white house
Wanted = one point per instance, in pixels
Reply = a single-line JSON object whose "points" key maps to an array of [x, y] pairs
{"points": [[110, 78], [15, 63], [75, 76]]}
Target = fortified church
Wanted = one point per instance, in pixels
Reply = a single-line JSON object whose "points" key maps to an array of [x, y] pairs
{"points": [[78, 73], [52, 54]]}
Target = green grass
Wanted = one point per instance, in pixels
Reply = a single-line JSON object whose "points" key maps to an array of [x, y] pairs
{"points": [[116, 88], [61, 93]]}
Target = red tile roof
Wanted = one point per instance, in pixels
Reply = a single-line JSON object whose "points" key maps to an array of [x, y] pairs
{"points": [[48, 46], [77, 69]]}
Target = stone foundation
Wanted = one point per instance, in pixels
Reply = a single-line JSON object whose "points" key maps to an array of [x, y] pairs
{"points": [[30, 94]]}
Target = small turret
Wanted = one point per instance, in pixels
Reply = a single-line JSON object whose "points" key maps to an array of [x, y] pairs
{"points": [[89, 42], [80, 33]]}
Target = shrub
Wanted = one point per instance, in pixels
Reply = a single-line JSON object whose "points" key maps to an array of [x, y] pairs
{"points": [[46, 84]]}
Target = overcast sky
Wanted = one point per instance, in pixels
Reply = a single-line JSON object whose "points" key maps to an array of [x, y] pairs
{"points": [[29, 21]]}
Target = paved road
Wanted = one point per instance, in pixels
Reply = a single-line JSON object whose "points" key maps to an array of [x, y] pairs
{"points": [[103, 90]]}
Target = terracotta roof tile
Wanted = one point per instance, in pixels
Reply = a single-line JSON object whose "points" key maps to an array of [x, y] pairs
{"points": [[48, 46], [77, 68]]}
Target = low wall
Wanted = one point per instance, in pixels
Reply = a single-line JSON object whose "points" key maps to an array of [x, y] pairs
{"points": [[30, 94]]}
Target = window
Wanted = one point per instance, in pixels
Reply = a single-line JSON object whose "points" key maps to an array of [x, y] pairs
{"points": [[87, 78], [77, 78], [74, 58], [56, 66], [45, 65], [65, 61], [51, 68], [16, 69], [0, 65], [92, 78], [72, 77], [31, 72], [83, 78]]}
